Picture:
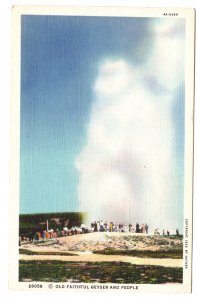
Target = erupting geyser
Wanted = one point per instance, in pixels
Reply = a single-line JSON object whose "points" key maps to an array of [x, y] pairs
{"points": [[128, 169]]}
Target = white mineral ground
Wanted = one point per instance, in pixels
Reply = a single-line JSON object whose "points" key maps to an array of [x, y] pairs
{"points": [[84, 244]]}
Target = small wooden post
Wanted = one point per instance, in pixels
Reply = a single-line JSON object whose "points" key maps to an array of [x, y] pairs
{"points": [[47, 223]]}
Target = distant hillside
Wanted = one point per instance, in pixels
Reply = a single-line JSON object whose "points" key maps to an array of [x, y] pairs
{"points": [[29, 223]]}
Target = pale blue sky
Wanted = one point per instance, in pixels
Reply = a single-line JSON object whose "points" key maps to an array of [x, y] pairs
{"points": [[59, 61]]}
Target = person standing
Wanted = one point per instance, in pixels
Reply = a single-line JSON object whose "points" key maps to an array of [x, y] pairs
{"points": [[137, 228], [130, 227], [146, 228], [111, 227], [82, 228]]}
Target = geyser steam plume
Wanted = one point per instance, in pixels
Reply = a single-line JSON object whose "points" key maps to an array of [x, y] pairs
{"points": [[127, 168]]}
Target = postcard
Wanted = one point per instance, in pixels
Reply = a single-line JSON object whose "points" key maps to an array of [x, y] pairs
{"points": [[101, 149]]}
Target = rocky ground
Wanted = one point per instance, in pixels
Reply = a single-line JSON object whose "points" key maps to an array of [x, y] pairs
{"points": [[99, 241], [103, 257]]}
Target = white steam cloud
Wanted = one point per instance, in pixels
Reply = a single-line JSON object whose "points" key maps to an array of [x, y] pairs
{"points": [[127, 171]]}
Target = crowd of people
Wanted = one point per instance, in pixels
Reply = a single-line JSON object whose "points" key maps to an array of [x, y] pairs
{"points": [[96, 226], [118, 227], [100, 226], [167, 232], [50, 234]]}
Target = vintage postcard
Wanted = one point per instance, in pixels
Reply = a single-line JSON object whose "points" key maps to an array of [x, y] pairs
{"points": [[102, 149]]}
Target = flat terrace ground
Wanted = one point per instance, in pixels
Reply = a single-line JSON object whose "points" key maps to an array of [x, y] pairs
{"points": [[116, 241], [104, 257]]}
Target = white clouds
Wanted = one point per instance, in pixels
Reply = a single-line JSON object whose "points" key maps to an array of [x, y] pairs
{"points": [[127, 171]]}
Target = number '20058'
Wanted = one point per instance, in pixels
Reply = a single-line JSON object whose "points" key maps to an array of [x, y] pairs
{"points": [[35, 286]]}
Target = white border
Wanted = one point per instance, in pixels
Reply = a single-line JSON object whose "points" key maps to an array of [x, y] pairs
{"points": [[188, 15], [5, 11]]}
